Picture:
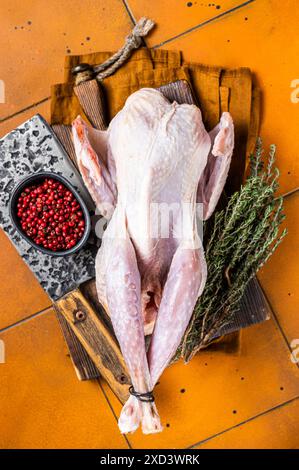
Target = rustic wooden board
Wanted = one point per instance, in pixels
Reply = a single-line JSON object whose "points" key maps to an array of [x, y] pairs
{"points": [[179, 91], [95, 332], [64, 134], [97, 340], [84, 366], [254, 308]]}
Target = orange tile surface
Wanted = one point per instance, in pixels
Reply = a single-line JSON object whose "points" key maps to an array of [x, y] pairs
{"points": [[10, 123], [35, 36], [173, 17], [42, 402], [280, 276], [268, 43], [43, 405], [278, 429], [221, 390], [20, 293]]}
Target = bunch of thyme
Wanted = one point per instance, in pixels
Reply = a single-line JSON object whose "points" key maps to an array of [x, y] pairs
{"points": [[242, 238]]}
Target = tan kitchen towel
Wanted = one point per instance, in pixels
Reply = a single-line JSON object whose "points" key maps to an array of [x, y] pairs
{"points": [[239, 84], [65, 105]]}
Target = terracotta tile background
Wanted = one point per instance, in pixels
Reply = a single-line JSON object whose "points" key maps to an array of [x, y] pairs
{"points": [[229, 401]]}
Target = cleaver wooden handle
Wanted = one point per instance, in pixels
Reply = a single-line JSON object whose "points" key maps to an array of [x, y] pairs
{"points": [[92, 101], [95, 337]]}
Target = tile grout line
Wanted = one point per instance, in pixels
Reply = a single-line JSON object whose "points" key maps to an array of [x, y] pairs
{"points": [[204, 23], [283, 334], [112, 410], [129, 11], [199, 443], [24, 320], [132, 18], [17, 113]]}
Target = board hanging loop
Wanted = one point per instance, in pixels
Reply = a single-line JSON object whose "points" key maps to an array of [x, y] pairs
{"points": [[86, 72]]}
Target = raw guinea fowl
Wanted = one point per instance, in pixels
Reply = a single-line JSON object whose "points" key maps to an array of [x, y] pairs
{"points": [[146, 173]]}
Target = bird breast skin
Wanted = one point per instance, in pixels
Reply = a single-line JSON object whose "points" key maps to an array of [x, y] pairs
{"points": [[150, 173]]}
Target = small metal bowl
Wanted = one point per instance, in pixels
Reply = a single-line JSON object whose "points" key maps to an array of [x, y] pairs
{"points": [[34, 179]]}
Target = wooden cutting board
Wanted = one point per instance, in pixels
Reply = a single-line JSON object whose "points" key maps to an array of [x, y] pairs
{"points": [[91, 341]]}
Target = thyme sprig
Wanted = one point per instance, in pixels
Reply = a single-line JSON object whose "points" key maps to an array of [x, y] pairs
{"points": [[242, 238]]}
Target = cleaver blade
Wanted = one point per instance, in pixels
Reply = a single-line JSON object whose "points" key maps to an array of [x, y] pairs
{"points": [[31, 148]]}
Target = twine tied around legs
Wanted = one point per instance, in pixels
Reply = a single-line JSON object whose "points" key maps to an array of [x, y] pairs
{"points": [[85, 72]]}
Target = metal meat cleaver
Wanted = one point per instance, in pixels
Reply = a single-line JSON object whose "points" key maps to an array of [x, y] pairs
{"points": [[32, 148]]}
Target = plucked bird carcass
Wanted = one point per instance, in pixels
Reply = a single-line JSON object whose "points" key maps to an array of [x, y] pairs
{"points": [[147, 174]]}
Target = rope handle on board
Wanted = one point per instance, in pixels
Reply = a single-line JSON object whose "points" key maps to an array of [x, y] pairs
{"points": [[84, 72]]}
